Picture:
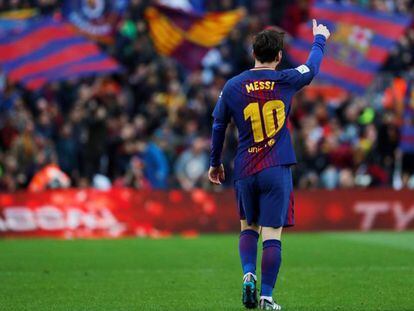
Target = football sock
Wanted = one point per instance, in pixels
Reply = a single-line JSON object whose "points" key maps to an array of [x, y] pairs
{"points": [[271, 260], [268, 298], [248, 250]]}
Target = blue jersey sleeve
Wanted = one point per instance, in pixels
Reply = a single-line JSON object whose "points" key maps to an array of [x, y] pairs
{"points": [[303, 75], [221, 115]]}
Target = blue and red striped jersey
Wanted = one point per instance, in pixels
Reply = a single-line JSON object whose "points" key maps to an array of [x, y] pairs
{"points": [[259, 102]]}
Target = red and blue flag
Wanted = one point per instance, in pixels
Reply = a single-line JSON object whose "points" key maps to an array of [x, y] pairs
{"points": [[96, 19], [360, 43], [50, 51]]}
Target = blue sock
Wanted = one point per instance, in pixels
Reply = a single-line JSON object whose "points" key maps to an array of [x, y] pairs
{"points": [[248, 250], [271, 260]]}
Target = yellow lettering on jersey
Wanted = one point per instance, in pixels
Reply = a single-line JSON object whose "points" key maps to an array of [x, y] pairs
{"points": [[249, 87], [260, 85]]}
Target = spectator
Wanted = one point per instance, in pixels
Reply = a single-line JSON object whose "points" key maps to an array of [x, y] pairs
{"points": [[192, 164], [407, 149], [155, 164], [67, 150], [134, 177], [49, 177]]}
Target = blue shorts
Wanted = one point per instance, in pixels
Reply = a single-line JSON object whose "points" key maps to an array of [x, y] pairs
{"points": [[266, 198]]}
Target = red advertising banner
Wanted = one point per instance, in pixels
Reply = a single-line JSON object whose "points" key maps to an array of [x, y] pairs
{"points": [[115, 213]]}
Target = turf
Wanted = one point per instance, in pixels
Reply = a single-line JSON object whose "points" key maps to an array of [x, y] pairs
{"points": [[335, 271]]}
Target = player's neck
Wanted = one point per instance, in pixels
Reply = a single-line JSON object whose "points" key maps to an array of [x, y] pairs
{"points": [[265, 66]]}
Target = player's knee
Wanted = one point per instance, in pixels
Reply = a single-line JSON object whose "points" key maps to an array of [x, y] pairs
{"points": [[245, 226], [269, 233]]}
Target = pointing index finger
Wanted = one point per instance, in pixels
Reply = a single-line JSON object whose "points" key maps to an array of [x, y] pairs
{"points": [[315, 24]]}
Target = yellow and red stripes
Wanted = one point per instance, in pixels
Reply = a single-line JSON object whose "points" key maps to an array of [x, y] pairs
{"points": [[207, 32]]}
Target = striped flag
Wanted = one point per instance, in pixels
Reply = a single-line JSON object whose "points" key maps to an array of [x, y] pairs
{"points": [[360, 43], [187, 36], [96, 19], [51, 51]]}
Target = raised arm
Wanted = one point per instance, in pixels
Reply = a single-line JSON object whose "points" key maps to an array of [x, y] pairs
{"points": [[303, 75], [321, 34]]}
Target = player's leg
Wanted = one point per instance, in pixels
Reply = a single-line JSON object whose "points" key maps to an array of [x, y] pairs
{"points": [[276, 212], [249, 236], [271, 260]]}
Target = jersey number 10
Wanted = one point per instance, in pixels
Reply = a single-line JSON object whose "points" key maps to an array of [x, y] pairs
{"points": [[271, 125]]}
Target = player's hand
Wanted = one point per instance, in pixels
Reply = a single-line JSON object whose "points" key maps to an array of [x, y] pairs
{"points": [[320, 29], [216, 174]]}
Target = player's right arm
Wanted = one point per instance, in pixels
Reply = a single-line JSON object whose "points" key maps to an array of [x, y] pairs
{"points": [[303, 75]]}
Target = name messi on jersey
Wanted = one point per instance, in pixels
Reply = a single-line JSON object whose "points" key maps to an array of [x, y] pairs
{"points": [[260, 85]]}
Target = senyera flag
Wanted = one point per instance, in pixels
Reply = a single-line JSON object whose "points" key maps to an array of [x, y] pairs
{"points": [[187, 36], [49, 51], [360, 42]]}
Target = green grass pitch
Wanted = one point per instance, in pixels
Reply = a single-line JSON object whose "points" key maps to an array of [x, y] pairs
{"points": [[320, 271]]}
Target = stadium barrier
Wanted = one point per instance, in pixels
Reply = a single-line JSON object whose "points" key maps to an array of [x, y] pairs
{"points": [[89, 213]]}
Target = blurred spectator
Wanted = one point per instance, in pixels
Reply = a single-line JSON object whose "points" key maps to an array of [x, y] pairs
{"points": [[407, 149], [134, 176], [155, 163], [192, 164], [49, 177], [67, 150]]}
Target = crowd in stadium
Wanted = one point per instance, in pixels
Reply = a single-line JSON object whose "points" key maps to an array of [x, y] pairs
{"points": [[149, 127]]}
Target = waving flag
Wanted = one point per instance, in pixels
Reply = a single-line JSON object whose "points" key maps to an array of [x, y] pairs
{"points": [[50, 51], [360, 43], [187, 36], [95, 18]]}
